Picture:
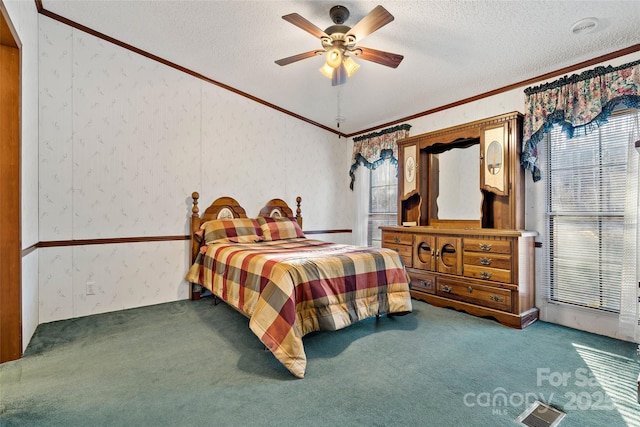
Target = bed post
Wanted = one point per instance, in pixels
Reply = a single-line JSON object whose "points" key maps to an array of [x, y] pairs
{"points": [[298, 210], [194, 290]]}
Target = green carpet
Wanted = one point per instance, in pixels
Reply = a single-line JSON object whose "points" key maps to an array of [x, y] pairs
{"points": [[191, 364]]}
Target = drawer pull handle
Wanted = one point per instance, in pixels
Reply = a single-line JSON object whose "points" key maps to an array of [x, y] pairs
{"points": [[486, 261], [470, 289], [425, 284], [485, 275], [485, 247], [396, 239], [446, 289], [496, 298]]}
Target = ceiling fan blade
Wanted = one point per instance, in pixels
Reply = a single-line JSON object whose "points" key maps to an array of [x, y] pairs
{"points": [[385, 58], [301, 22], [377, 18], [298, 57]]}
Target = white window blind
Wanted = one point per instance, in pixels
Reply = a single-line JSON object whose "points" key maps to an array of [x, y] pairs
{"points": [[586, 178], [383, 201]]}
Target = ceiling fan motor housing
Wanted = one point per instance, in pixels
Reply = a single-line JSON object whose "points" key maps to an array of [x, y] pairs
{"points": [[339, 14]]}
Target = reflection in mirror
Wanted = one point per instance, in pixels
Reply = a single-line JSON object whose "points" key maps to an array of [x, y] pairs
{"points": [[494, 157], [459, 195]]}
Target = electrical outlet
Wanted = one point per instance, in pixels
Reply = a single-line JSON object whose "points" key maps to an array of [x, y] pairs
{"points": [[90, 288]]}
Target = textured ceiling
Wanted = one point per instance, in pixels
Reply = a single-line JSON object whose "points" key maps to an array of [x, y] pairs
{"points": [[452, 50]]}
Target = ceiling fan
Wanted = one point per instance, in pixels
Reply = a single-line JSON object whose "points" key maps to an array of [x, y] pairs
{"points": [[339, 42]]}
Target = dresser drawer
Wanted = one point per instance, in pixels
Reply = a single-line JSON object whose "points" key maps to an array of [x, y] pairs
{"points": [[487, 260], [397, 238], [487, 273], [487, 246], [486, 296], [422, 282], [405, 252]]}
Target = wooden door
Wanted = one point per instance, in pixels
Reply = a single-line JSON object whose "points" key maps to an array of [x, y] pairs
{"points": [[424, 252], [449, 255]]}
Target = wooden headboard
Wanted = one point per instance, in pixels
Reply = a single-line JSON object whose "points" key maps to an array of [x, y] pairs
{"points": [[278, 208], [228, 207], [221, 208]]}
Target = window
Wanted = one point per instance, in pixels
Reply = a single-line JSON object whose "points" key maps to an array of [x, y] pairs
{"points": [[383, 201], [586, 181]]}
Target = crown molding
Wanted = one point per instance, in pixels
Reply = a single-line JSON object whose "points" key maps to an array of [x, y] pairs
{"points": [[523, 83]]}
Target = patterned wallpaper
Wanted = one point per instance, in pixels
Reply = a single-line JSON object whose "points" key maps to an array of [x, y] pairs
{"points": [[124, 141], [24, 18]]}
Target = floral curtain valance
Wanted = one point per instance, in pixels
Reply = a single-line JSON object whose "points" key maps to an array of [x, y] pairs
{"points": [[372, 149], [579, 103]]}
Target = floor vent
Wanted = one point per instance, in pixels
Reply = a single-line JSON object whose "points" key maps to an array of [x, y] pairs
{"points": [[540, 415]]}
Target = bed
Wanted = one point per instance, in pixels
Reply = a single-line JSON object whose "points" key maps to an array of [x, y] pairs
{"points": [[287, 284]]}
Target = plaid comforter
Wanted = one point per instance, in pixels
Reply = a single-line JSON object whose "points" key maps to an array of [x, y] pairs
{"points": [[289, 288]]}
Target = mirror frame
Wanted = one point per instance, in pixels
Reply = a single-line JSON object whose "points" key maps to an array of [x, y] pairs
{"points": [[496, 183], [501, 208], [434, 185]]}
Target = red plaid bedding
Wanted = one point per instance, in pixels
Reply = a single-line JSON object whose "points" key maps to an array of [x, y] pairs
{"points": [[289, 288]]}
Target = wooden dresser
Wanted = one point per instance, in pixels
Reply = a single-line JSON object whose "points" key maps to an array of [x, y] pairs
{"points": [[482, 272], [460, 225]]}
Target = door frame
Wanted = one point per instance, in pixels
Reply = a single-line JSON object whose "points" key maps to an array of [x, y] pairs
{"points": [[10, 191]]}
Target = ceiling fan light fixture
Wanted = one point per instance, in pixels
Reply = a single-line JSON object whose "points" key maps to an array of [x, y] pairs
{"points": [[327, 71], [347, 68], [350, 65], [334, 58]]}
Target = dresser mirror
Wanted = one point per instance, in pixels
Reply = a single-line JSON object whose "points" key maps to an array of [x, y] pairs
{"points": [[457, 172], [466, 176]]}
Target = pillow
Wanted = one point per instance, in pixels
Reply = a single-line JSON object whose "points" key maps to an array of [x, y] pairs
{"points": [[235, 230], [279, 228]]}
